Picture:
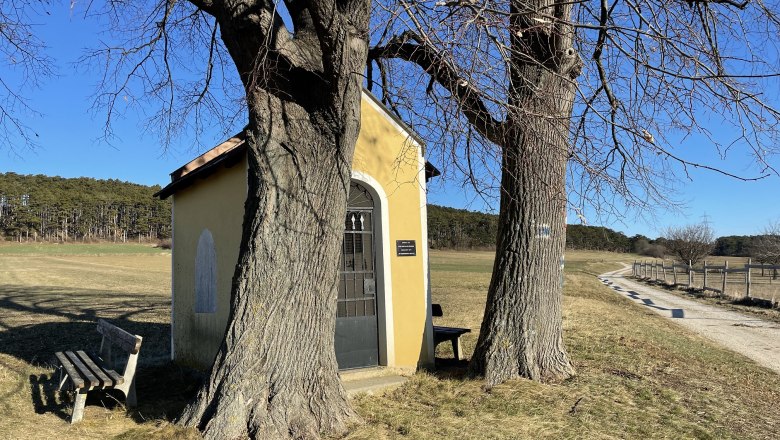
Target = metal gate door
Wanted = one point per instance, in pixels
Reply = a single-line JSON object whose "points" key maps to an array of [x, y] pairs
{"points": [[357, 341]]}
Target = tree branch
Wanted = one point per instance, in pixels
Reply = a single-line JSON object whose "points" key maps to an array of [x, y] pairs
{"points": [[440, 70]]}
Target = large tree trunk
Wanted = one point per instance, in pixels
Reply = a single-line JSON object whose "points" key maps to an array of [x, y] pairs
{"points": [[521, 333], [275, 374]]}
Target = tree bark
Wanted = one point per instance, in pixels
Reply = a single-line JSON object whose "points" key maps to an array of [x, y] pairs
{"points": [[521, 333], [275, 374]]}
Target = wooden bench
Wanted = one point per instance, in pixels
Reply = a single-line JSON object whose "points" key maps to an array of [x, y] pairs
{"points": [[88, 371], [452, 334]]}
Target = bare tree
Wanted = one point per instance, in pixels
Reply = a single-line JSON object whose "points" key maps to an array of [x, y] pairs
{"points": [[298, 88], [275, 374], [25, 65], [766, 247], [690, 242], [512, 91]]}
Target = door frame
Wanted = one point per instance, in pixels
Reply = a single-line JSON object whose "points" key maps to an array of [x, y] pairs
{"points": [[384, 288]]}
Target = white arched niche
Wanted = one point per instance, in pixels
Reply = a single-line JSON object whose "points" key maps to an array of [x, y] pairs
{"points": [[382, 253], [206, 274]]}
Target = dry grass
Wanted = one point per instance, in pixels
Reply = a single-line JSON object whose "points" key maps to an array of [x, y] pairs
{"points": [[638, 375], [50, 301]]}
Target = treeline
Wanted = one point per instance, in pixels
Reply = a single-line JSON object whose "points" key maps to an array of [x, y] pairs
{"points": [[598, 238], [736, 245], [450, 228], [43, 208]]}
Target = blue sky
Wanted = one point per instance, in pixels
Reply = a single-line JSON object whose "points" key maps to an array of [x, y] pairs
{"points": [[68, 131]]}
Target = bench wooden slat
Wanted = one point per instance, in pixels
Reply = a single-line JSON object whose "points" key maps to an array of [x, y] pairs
{"points": [[107, 381], [450, 330], [121, 338], [116, 377], [78, 382], [118, 380], [83, 370]]}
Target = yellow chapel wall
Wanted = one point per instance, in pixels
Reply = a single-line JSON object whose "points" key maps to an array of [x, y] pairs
{"points": [[395, 161], [215, 203], [391, 160]]}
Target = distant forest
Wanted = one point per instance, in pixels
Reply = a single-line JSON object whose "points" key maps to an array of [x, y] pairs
{"points": [[43, 208], [735, 245], [450, 228]]}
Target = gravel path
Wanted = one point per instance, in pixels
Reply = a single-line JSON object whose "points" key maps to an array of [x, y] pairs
{"points": [[753, 337]]}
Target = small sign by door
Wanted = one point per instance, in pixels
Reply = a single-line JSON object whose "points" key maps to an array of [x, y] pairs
{"points": [[405, 248]]}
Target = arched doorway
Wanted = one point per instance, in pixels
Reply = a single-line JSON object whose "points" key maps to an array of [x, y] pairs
{"points": [[357, 337]]}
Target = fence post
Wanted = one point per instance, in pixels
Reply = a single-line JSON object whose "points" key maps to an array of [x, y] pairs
{"points": [[747, 277], [674, 273], [705, 277], [663, 269], [690, 275], [725, 277], [633, 272]]}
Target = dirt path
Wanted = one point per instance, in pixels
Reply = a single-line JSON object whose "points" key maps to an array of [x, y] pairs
{"points": [[755, 338]]}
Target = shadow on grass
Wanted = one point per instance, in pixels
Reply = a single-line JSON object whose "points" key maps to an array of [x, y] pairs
{"points": [[164, 390], [45, 397], [36, 322], [449, 368], [585, 271]]}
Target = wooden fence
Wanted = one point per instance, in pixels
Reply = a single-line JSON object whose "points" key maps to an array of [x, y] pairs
{"points": [[683, 274]]}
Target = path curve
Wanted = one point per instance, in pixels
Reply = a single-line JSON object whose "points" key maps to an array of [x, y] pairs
{"points": [[750, 336]]}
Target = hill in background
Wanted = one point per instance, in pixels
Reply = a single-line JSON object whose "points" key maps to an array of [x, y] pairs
{"points": [[450, 228]]}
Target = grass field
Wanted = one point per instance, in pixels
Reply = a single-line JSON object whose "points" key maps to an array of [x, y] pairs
{"points": [[78, 249], [638, 375]]}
